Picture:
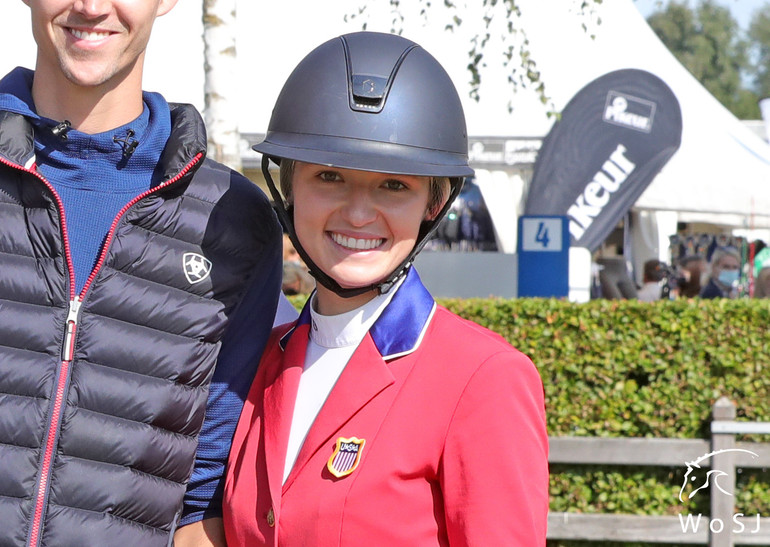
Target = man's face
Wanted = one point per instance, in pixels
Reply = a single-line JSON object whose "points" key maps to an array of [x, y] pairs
{"points": [[727, 262], [94, 42]]}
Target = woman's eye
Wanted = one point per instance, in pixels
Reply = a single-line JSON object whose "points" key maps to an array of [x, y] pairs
{"points": [[393, 184], [329, 176]]}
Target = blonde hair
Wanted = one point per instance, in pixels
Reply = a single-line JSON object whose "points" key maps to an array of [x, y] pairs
{"points": [[439, 187]]}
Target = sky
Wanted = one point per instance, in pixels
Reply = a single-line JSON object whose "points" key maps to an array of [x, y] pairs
{"points": [[742, 10]]}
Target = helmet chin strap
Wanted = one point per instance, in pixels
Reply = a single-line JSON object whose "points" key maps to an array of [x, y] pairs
{"points": [[285, 214]]}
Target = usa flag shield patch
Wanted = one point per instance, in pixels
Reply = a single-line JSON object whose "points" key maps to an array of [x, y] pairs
{"points": [[347, 454]]}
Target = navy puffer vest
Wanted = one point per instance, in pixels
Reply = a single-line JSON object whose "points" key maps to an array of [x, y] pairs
{"points": [[101, 403]]}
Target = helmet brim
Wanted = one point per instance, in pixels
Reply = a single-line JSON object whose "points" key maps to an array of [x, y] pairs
{"points": [[362, 155]]}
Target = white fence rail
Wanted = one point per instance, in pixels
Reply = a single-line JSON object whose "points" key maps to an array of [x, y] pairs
{"points": [[722, 528]]}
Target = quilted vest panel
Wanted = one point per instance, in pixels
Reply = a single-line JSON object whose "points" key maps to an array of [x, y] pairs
{"points": [[133, 396]]}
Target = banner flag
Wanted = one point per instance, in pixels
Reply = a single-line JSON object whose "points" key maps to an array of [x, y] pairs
{"points": [[613, 137]]}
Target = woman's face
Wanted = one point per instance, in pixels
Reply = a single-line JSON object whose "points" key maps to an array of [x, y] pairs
{"points": [[357, 226]]}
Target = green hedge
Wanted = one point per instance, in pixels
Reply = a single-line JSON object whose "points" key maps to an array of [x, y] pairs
{"points": [[629, 368], [634, 369]]}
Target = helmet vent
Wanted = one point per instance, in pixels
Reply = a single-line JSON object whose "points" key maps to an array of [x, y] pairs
{"points": [[369, 91], [370, 79]]}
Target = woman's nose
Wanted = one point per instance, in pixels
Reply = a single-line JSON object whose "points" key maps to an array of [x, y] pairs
{"points": [[360, 209]]}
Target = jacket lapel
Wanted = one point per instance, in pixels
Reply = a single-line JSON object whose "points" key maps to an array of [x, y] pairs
{"points": [[279, 399], [364, 378]]}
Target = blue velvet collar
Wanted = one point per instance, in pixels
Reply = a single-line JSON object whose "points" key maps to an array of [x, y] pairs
{"points": [[400, 328]]}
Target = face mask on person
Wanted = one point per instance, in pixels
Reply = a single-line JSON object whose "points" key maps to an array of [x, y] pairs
{"points": [[728, 277]]}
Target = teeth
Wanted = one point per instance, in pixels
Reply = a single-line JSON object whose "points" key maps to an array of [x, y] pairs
{"points": [[358, 244], [91, 36]]}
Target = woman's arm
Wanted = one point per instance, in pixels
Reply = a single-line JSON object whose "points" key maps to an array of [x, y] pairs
{"points": [[494, 474], [203, 533]]}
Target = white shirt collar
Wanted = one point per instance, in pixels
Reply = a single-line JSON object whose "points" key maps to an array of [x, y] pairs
{"points": [[349, 328]]}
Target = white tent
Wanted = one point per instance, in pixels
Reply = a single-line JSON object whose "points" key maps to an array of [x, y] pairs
{"points": [[720, 174]]}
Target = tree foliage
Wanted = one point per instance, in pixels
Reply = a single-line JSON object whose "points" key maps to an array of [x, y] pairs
{"points": [[707, 40], [759, 34], [515, 53]]}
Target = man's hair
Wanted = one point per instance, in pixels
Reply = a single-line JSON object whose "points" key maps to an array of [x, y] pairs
{"points": [[439, 187]]}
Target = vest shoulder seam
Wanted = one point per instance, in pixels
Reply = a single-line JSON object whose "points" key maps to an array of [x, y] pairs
{"points": [[31, 257]]}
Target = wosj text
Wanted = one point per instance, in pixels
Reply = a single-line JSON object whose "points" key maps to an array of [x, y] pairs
{"points": [[692, 523]]}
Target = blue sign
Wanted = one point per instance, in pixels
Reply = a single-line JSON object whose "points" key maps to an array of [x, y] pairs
{"points": [[543, 254]]}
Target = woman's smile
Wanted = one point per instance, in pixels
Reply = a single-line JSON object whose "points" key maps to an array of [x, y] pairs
{"points": [[356, 244]]}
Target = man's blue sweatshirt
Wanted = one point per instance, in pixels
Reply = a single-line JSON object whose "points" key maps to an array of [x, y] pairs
{"points": [[94, 175]]}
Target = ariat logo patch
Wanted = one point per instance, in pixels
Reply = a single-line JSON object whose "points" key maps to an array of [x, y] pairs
{"points": [[346, 456], [196, 267]]}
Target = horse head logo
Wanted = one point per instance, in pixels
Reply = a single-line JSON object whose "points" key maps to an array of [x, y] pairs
{"points": [[701, 480]]}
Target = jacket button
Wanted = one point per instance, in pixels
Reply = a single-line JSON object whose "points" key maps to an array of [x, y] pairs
{"points": [[271, 518]]}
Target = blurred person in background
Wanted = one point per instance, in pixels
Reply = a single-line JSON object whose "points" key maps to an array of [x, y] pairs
{"points": [[296, 278], [654, 276], [694, 268], [725, 273], [762, 283]]}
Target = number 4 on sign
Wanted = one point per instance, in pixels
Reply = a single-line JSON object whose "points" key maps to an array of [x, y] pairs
{"points": [[542, 234]]}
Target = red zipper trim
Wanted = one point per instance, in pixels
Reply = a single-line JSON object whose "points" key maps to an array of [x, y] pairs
{"points": [[47, 459], [54, 423], [60, 207], [64, 369], [125, 208]]}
